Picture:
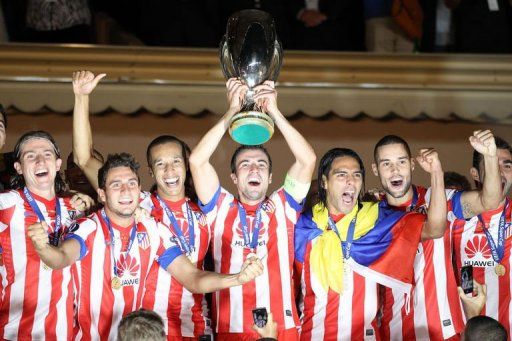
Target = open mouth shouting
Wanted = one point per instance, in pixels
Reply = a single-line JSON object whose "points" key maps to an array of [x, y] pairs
{"points": [[172, 182], [254, 181], [41, 173], [348, 197], [396, 183]]}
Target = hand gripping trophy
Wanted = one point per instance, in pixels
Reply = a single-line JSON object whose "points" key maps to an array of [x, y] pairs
{"points": [[251, 51]]}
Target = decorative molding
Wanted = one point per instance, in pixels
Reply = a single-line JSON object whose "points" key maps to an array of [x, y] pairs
{"points": [[441, 86]]}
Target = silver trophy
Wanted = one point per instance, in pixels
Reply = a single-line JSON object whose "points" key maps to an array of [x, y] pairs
{"points": [[251, 51]]}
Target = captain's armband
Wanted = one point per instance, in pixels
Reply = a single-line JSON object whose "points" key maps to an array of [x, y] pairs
{"points": [[296, 189]]}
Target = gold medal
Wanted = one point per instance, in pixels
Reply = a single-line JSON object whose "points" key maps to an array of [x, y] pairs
{"points": [[116, 283], [500, 270]]}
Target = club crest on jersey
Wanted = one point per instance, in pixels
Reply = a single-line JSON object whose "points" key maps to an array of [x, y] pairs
{"points": [[478, 252], [201, 218], [143, 240], [268, 206], [508, 230], [127, 266]]}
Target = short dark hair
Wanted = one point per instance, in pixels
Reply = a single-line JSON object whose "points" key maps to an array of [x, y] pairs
{"points": [[324, 167], [17, 181], [114, 161], [243, 148], [484, 328], [4, 115], [185, 153], [500, 144], [456, 181], [390, 139], [141, 324]]}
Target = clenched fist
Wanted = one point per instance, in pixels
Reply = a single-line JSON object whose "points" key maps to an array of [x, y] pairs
{"points": [[38, 233], [251, 269]]}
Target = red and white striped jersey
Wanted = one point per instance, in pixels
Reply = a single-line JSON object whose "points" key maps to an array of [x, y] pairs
{"points": [[472, 248], [36, 302], [100, 306], [436, 311], [185, 314], [273, 289], [331, 316]]}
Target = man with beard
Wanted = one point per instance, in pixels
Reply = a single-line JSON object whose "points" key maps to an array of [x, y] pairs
{"points": [[484, 241], [253, 222], [340, 236], [436, 313], [114, 253], [173, 203]]}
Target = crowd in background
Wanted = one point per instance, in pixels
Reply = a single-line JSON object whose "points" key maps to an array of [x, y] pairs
{"points": [[467, 26]]}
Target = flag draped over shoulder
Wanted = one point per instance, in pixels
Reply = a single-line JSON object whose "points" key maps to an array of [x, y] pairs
{"points": [[383, 250]]}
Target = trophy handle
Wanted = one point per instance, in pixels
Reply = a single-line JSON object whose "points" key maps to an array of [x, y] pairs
{"points": [[277, 60], [226, 59]]}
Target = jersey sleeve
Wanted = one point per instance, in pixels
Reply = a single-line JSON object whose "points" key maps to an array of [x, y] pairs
{"points": [[80, 231], [211, 209]]}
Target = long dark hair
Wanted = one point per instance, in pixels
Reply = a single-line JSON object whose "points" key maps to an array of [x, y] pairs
{"points": [[190, 191], [18, 181]]}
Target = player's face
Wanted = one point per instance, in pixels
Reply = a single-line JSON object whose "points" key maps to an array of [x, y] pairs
{"points": [[168, 170], [121, 193], [505, 164], [394, 168], [38, 164], [252, 175], [343, 184]]}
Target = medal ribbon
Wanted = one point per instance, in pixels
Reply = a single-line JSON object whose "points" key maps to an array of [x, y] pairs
{"points": [[345, 245], [252, 244], [187, 247], [498, 250], [54, 240], [112, 241]]}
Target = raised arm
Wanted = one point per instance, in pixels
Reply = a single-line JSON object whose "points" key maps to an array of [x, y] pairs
{"points": [[489, 197], [305, 158], [84, 83], [198, 281], [436, 222], [55, 257], [205, 177]]}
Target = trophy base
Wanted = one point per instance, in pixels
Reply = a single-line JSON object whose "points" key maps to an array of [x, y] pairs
{"points": [[251, 128]]}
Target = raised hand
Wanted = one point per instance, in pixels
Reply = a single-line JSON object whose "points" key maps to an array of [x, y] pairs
{"points": [[428, 159], [236, 93], [39, 236], [251, 269], [81, 202], [483, 142], [84, 82], [266, 97]]}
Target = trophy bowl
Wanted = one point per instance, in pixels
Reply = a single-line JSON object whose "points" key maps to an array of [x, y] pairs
{"points": [[251, 51]]}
